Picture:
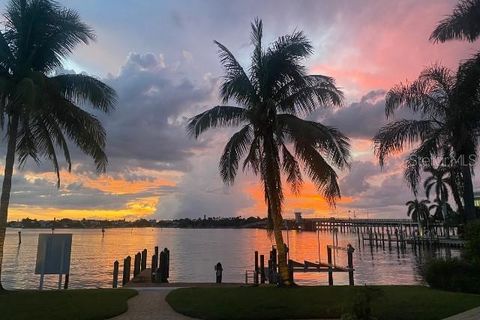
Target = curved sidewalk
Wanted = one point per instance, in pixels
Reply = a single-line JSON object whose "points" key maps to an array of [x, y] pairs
{"points": [[150, 304], [472, 314]]}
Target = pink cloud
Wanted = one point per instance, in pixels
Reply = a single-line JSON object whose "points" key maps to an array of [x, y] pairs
{"points": [[381, 43]]}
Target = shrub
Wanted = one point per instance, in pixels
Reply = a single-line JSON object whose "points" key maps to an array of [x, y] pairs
{"points": [[472, 246], [453, 275], [361, 305]]}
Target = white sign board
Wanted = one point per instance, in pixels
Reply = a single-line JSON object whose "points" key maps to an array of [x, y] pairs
{"points": [[53, 254]]}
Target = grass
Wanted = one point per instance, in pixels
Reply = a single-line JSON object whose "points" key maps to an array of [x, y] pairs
{"points": [[388, 302], [94, 304]]}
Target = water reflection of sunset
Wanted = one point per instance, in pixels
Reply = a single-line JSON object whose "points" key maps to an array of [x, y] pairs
{"points": [[202, 248]]}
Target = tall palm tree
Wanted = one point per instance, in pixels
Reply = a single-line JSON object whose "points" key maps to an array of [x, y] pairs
{"points": [[418, 211], [441, 180], [447, 126], [463, 23], [39, 111], [270, 98]]}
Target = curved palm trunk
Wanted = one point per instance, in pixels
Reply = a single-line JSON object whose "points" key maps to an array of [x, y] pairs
{"points": [[282, 253], [7, 185], [273, 190], [458, 200], [468, 197]]}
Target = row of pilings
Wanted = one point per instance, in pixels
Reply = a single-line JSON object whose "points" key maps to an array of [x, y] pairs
{"points": [[381, 226]]}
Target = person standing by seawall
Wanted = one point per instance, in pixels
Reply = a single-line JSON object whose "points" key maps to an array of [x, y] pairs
{"points": [[218, 272]]}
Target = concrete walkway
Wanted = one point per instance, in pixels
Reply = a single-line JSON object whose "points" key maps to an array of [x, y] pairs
{"points": [[150, 304], [472, 314]]}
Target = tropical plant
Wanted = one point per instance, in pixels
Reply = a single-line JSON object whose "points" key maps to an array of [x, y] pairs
{"points": [[442, 211], [419, 211], [439, 180], [442, 179], [270, 98], [40, 111], [463, 23], [446, 127]]}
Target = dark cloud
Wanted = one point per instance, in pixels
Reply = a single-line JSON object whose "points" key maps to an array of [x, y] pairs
{"points": [[148, 127], [356, 181], [364, 118]]}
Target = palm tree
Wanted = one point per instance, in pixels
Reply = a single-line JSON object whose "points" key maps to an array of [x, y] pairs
{"points": [[442, 179], [442, 211], [418, 211], [276, 90], [42, 112], [447, 126], [463, 23]]}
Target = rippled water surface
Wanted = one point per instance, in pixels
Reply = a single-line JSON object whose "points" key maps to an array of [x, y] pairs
{"points": [[194, 252]]}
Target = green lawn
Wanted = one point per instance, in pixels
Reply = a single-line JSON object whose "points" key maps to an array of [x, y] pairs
{"points": [[389, 302], [94, 304]]}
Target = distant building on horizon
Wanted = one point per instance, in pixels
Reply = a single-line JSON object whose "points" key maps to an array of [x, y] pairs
{"points": [[476, 198]]}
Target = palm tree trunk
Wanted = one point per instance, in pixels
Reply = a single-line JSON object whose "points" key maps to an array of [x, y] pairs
{"points": [[7, 185], [468, 197], [274, 193], [282, 253], [458, 200]]}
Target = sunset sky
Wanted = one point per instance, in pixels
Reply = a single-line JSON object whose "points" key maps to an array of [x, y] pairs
{"points": [[161, 59]]}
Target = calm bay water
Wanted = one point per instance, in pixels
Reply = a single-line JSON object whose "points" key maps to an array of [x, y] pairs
{"points": [[194, 252]]}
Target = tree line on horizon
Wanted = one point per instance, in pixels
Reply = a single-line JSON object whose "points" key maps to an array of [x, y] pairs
{"points": [[41, 112], [206, 222]]}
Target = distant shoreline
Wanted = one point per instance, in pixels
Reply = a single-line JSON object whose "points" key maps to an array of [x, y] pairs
{"points": [[185, 223], [107, 228]]}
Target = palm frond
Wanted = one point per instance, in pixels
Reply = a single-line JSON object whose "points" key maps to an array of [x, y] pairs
{"points": [[233, 152], [219, 116], [394, 136], [308, 95], [82, 89], [462, 24], [322, 174], [27, 142], [257, 56], [292, 169], [282, 62], [253, 159], [468, 85], [236, 83], [44, 32], [84, 129], [331, 142], [6, 56], [428, 94]]}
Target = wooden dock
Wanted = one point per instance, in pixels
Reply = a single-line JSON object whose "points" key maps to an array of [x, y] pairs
{"points": [[378, 232], [262, 274]]}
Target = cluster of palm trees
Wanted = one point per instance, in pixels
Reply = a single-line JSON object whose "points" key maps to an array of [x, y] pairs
{"points": [[442, 181], [447, 125], [274, 140]]}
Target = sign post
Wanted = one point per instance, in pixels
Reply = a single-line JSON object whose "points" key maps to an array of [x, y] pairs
{"points": [[53, 256]]}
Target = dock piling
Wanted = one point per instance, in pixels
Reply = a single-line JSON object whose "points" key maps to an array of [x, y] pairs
{"points": [[330, 266], [350, 251], [115, 274]]}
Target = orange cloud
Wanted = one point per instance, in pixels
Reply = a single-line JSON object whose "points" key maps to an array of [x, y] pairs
{"points": [[308, 201], [141, 206], [138, 208], [105, 183]]}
